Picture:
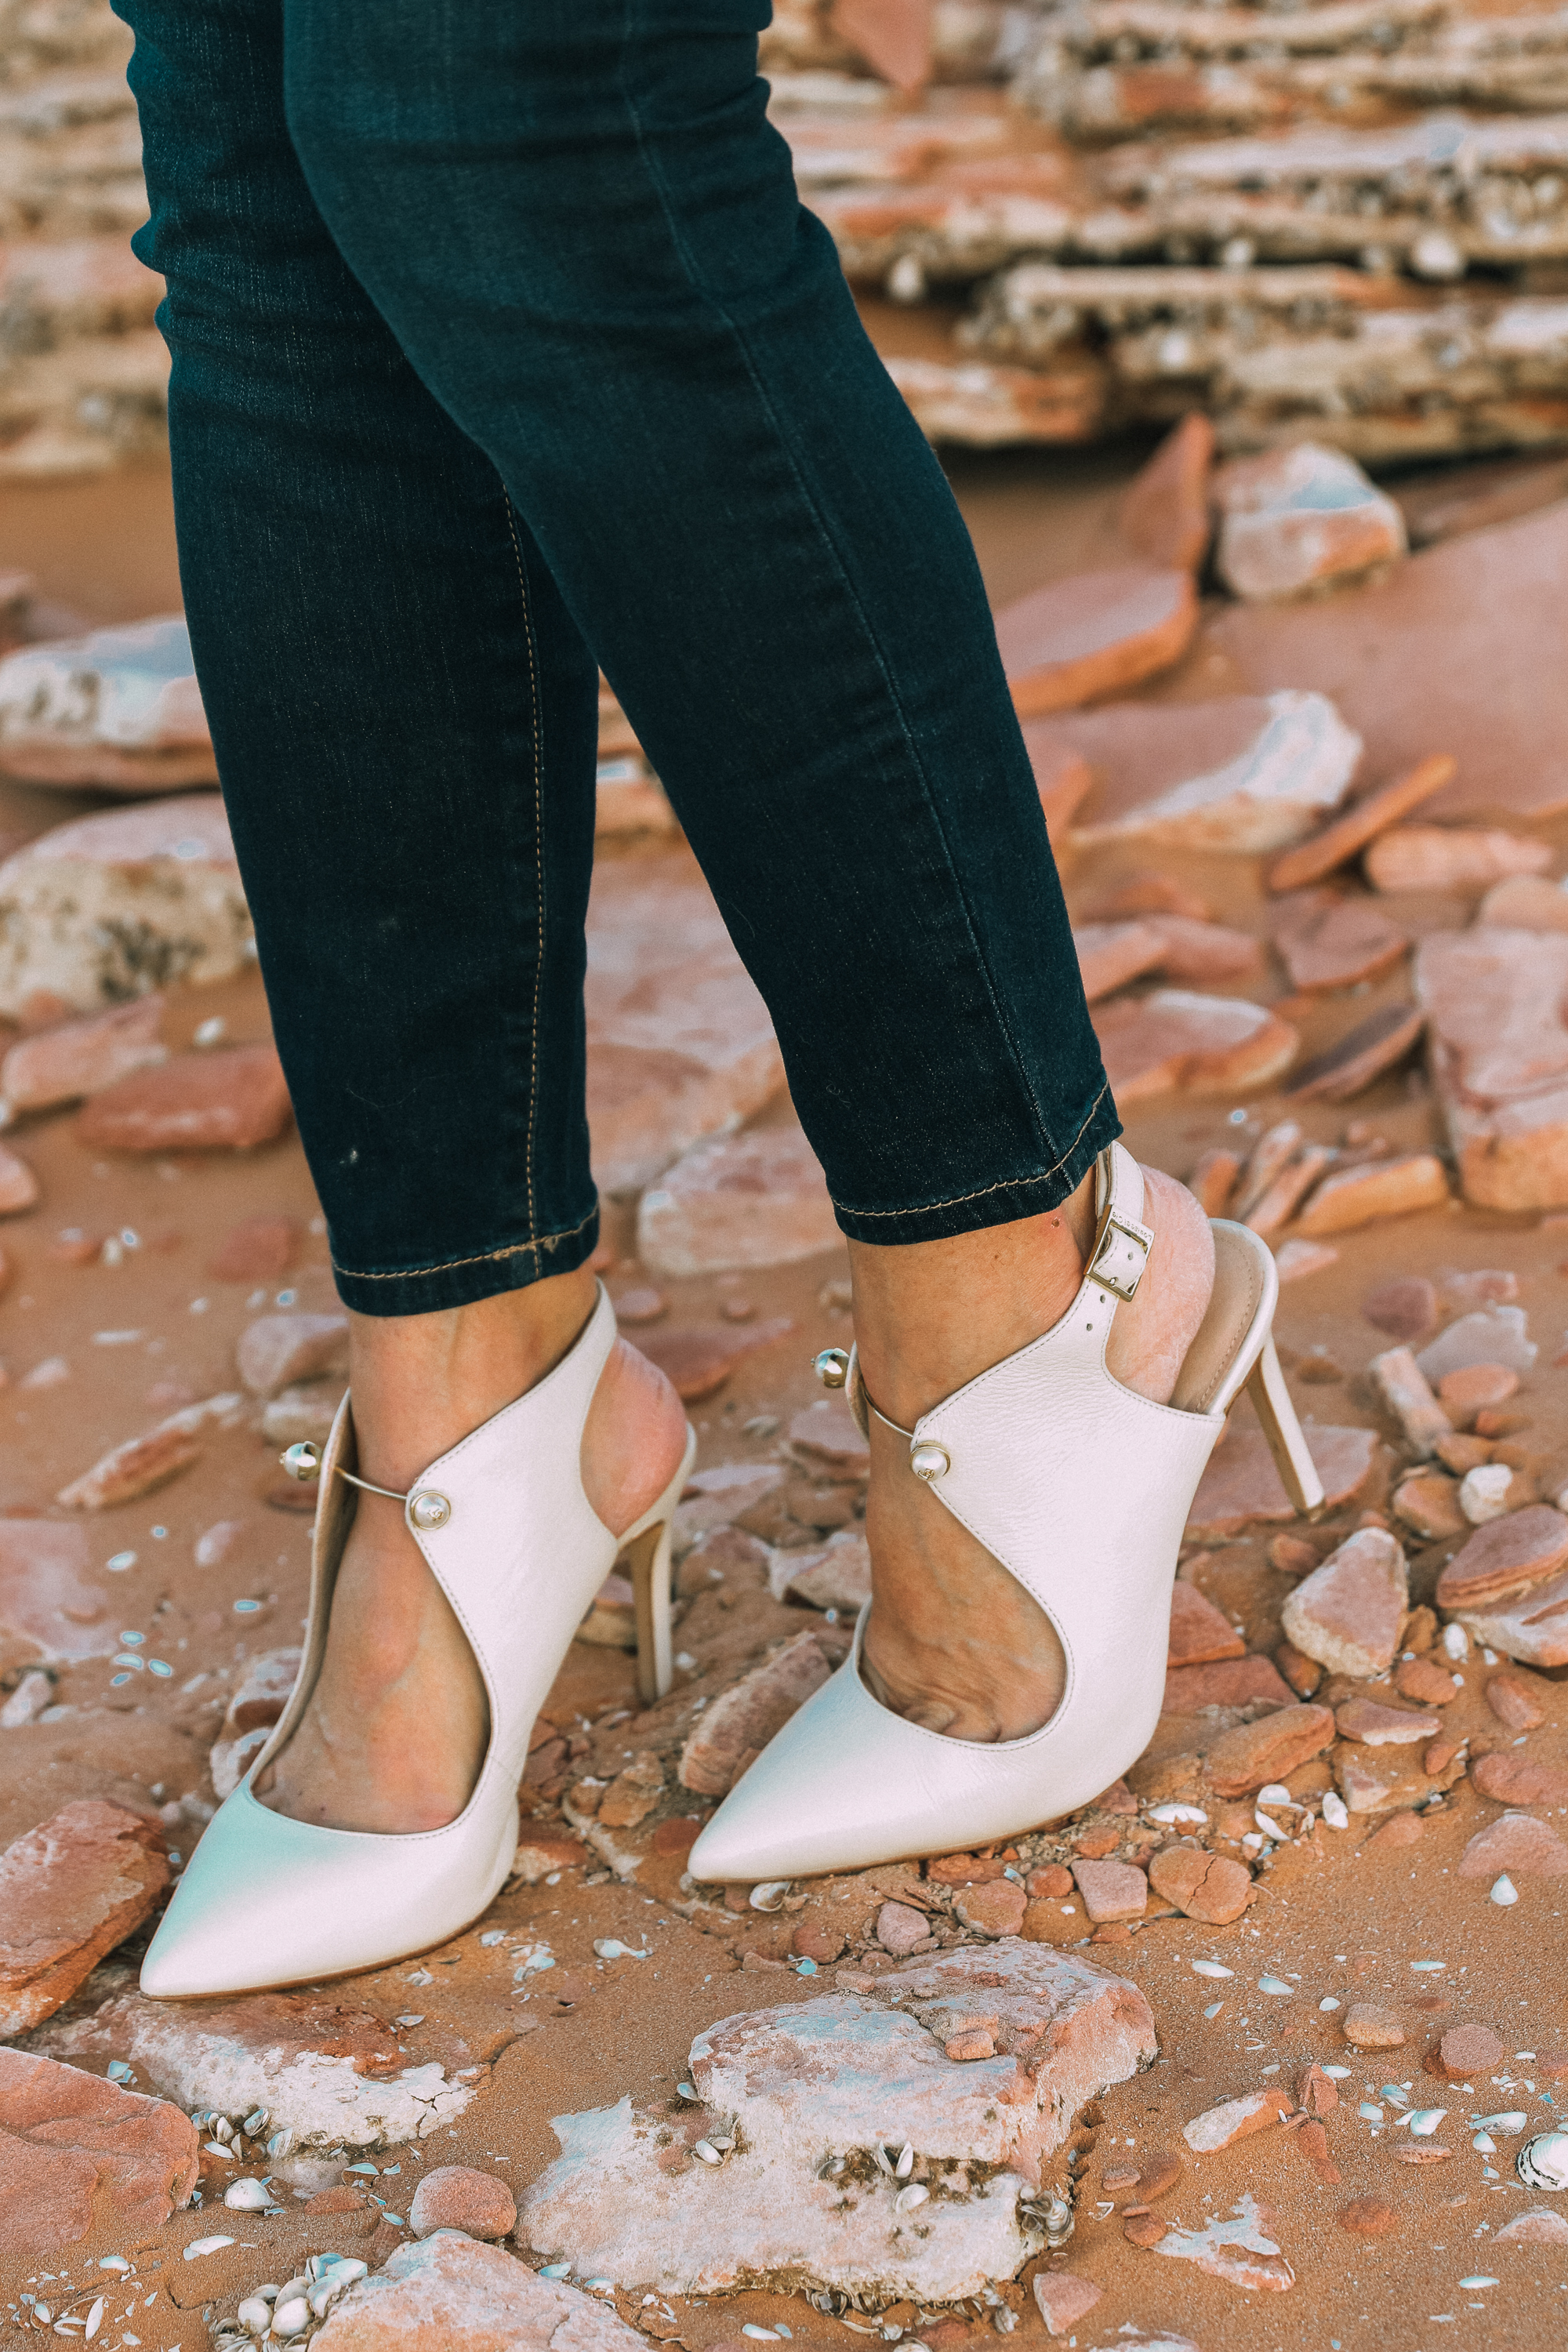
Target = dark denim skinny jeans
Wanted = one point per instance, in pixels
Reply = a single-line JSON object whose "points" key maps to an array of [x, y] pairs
{"points": [[503, 347]]}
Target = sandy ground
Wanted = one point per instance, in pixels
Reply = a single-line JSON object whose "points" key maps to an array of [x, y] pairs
{"points": [[1336, 1922]]}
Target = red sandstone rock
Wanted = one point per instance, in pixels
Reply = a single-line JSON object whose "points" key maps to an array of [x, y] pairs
{"points": [[1098, 634], [1399, 1830], [1532, 1626], [1209, 1887], [1439, 858], [1471, 1388], [1164, 514], [1373, 1725], [1241, 1486], [1540, 2228], [1342, 836], [1299, 518], [737, 1200], [46, 1596], [1316, 2093], [901, 1928], [1405, 1309], [1364, 1053], [1111, 1890], [1328, 941], [1428, 1686], [70, 1890], [83, 1057], [258, 1249], [1213, 1181], [1110, 954], [1384, 1188], [539, 1852], [79, 2157], [142, 1463], [1063, 777], [1244, 774], [1050, 1880], [894, 36], [1233, 2119], [1064, 2297], [456, 2197], [1227, 1681], [698, 1357], [994, 1910], [1504, 1557], [1199, 1044], [1204, 952], [18, 1185], [1302, 1674], [229, 1100], [1148, 892], [453, 2294], [1348, 1613], [1198, 1632], [1514, 1703], [1269, 1750], [1429, 1504], [276, 1349], [1496, 1005], [1525, 903], [742, 1719], [1518, 1843], [1468, 2052], [1513, 1779]]}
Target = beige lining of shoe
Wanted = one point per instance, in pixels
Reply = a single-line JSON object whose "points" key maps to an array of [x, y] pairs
{"points": [[1233, 1304]]}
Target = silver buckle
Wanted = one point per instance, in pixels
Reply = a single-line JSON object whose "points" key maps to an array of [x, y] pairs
{"points": [[1121, 1255]]}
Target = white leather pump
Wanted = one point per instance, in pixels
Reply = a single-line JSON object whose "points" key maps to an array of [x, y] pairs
{"points": [[514, 1544], [1080, 1489]]}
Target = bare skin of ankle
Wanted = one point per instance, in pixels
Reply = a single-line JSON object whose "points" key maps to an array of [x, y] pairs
{"points": [[954, 1642], [398, 1723]]}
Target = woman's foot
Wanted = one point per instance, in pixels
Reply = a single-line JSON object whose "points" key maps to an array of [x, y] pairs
{"points": [[397, 1724], [954, 1642]]}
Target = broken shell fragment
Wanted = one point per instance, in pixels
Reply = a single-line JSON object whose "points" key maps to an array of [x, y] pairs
{"points": [[1542, 2162]]}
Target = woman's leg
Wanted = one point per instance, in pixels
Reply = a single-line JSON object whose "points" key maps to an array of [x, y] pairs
{"points": [[586, 238], [405, 716]]}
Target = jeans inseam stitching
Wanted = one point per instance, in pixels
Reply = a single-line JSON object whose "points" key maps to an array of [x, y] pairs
{"points": [[696, 278], [1003, 1184], [534, 730], [483, 1257]]}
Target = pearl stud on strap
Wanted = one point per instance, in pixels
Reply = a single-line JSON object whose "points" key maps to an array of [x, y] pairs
{"points": [[424, 1505], [928, 1460]]}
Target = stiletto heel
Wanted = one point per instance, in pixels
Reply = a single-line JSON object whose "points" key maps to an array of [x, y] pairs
{"points": [[1276, 1416], [512, 1540], [646, 1550], [1080, 1489]]}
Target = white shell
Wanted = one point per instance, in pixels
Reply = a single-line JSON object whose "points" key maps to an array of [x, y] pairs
{"points": [[1335, 1811], [1456, 1643], [1423, 2121], [770, 1894], [255, 2315], [1171, 1814], [250, 2195], [1542, 2162], [291, 2319], [1504, 1891], [1510, 2123], [907, 2199]]}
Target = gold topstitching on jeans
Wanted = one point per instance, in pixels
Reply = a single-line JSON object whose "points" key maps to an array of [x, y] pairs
{"points": [[484, 1257], [538, 848], [1003, 1184]]}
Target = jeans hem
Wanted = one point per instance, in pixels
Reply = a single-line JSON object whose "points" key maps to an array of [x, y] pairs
{"points": [[1002, 1202], [460, 1282]]}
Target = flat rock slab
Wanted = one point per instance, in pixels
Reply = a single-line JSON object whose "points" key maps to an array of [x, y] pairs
{"points": [[1348, 1197], [1516, 1842], [1347, 1614], [822, 2083], [1246, 774], [1526, 1548], [1241, 1486], [116, 906], [1228, 1682], [1401, 658], [1532, 1626], [739, 1724], [1178, 1041], [737, 1201], [226, 1101], [80, 2157], [46, 1597], [1251, 1754], [450, 2293], [80, 1058], [119, 709], [332, 2075], [69, 1892], [1199, 1633], [1451, 858], [1360, 824], [1079, 639], [1298, 518], [1496, 1334], [1165, 516], [1328, 942], [1497, 1032]]}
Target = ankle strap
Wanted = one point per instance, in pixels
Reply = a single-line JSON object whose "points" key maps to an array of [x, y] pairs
{"points": [[424, 1505]]}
